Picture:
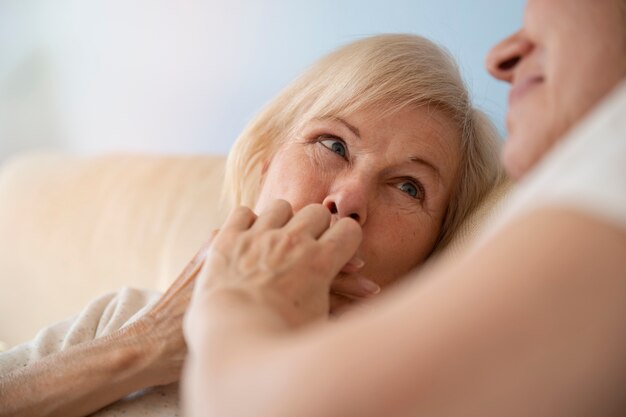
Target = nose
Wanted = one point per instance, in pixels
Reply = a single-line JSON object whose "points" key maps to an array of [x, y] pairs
{"points": [[349, 199], [506, 56]]}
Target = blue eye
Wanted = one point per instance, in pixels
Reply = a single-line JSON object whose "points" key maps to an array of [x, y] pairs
{"points": [[412, 190], [335, 145]]}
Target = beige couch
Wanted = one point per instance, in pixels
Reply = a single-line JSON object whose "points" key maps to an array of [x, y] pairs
{"points": [[72, 228]]}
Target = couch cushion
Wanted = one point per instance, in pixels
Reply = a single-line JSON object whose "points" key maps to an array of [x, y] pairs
{"points": [[72, 228]]}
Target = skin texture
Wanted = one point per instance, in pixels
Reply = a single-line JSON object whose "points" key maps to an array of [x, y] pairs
{"points": [[558, 71], [399, 204], [399, 231], [515, 329]]}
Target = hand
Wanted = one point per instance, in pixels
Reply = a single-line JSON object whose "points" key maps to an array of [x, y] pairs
{"points": [[161, 326], [279, 259], [349, 287]]}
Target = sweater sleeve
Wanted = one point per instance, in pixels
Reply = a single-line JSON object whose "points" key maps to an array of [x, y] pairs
{"points": [[100, 317]]}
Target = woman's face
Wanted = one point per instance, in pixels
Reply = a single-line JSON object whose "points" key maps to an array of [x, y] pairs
{"points": [[393, 175], [567, 56]]}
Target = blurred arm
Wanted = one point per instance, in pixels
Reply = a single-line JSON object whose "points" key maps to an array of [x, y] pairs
{"points": [[530, 324]]}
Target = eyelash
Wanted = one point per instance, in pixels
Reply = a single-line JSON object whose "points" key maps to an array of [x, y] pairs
{"points": [[325, 138], [421, 192]]}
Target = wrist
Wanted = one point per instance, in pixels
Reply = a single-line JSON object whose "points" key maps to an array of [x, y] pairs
{"points": [[231, 312], [138, 357]]}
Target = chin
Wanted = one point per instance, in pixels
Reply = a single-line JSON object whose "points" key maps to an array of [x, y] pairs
{"points": [[511, 161]]}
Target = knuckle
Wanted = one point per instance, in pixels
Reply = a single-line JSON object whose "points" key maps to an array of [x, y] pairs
{"points": [[349, 227], [324, 216], [316, 213], [281, 205], [291, 238], [243, 211], [244, 241], [320, 210], [274, 238]]}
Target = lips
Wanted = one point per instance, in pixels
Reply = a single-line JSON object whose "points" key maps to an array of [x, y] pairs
{"points": [[520, 88]]}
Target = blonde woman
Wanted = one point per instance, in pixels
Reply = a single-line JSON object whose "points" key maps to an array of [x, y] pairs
{"points": [[381, 131], [531, 322]]}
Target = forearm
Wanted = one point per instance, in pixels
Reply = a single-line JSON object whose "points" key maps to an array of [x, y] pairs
{"points": [[79, 380], [494, 334], [235, 333], [92, 374]]}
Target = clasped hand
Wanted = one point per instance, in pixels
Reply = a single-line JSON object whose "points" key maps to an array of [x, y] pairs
{"points": [[285, 261]]}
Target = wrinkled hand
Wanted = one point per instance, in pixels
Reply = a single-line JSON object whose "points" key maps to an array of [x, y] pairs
{"points": [[161, 326], [282, 260]]}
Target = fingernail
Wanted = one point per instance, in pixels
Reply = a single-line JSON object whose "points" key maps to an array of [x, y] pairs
{"points": [[353, 265], [356, 262], [368, 286]]}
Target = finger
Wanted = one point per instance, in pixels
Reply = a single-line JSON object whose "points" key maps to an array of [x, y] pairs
{"points": [[340, 242], [354, 265], [312, 220], [338, 305], [185, 279], [276, 215], [354, 286], [241, 218]]}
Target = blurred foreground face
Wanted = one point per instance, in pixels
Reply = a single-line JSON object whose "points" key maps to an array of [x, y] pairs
{"points": [[567, 56], [392, 174]]}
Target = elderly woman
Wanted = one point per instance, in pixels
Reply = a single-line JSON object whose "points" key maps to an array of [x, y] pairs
{"points": [[381, 131], [531, 322]]}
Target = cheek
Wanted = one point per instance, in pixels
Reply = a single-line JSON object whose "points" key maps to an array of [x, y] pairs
{"points": [[394, 247], [291, 177]]}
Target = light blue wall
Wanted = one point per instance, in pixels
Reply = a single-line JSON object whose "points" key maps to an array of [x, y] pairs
{"points": [[185, 76]]}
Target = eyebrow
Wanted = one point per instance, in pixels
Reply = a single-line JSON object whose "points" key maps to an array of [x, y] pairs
{"points": [[418, 160], [352, 128], [426, 163]]}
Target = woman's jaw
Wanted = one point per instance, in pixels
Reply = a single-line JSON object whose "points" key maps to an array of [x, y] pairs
{"points": [[558, 72]]}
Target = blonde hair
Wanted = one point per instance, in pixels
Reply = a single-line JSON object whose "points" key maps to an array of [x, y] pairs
{"points": [[386, 71]]}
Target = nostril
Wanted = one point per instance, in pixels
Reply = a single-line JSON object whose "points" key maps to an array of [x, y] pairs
{"points": [[509, 63], [355, 216], [333, 208]]}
